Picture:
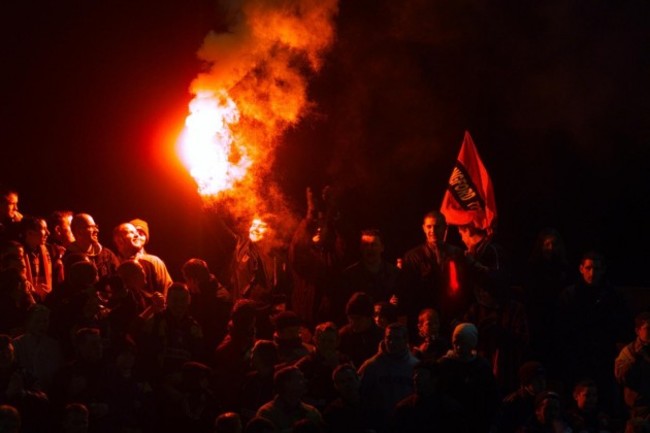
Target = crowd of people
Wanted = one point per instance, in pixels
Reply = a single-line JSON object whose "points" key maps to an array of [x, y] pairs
{"points": [[304, 338]]}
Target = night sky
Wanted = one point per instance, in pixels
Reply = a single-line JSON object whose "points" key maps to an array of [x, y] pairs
{"points": [[555, 95]]}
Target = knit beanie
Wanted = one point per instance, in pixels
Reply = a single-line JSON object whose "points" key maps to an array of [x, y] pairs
{"points": [[141, 225]]}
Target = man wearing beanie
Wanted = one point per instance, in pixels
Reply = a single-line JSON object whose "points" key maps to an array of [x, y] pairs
{"points": [[143, 231], [387, 377], [468, 379], [519, 406]]}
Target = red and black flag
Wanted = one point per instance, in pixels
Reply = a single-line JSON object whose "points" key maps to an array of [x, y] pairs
{"points": [[469, 198]]}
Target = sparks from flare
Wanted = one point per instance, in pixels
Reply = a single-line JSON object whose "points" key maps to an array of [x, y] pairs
{"points": [[208, 148]]}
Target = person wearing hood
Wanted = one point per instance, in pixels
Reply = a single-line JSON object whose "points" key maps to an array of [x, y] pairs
{"points": [[468, 379], [86, 234], [387, 377]]}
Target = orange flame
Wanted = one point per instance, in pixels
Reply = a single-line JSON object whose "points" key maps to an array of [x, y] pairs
{"points": [[207, 145], [253, 87]]}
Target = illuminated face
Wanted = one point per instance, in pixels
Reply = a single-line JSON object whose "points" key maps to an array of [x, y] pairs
{"points": [[429, 325], [258, 230], [143, 235], [592, 271], [643, 333], [34, 238], [434, 229], [87, 232], [63, 232], [586, 398], [128, 240], [9, 206]]}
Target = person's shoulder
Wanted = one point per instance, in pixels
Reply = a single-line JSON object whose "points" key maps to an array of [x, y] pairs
{"points": [[415, 252], [406, 403], [267, 409], [151, 258]]}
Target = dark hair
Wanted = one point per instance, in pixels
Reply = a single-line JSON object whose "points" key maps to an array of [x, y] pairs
{"points": [[343, 367], [5, 340], [372, 232], [30, 223], [536, 254], [285, 319], [196, 269], [178, 287], [58, 216], [243, 313], [387, 310], [583, 384], [546, 395], [267, 351], [594, 256], [431, 366], [6, 191], [324, 327], [436, 214], [396, 326], [82, 334], [641, 319], [9, 418], [360, 304], [227, 423], [283, 376], [306, 426], [259, 425]]}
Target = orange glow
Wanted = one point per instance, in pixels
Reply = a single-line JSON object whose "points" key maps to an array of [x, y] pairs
{"points": [[257, 230], [252, 87], [207, 146]]}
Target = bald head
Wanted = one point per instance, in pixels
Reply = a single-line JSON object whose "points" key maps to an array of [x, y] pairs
{"points": [[85, 230]]}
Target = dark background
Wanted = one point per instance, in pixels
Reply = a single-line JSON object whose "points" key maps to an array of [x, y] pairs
{"points": [[555, 95]]}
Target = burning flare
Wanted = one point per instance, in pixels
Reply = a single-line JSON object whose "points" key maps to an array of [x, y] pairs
{"points": [[208, 148], [254, 86]]}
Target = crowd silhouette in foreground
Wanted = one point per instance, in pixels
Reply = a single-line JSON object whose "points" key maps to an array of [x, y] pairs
{"points": [[304, 338]]}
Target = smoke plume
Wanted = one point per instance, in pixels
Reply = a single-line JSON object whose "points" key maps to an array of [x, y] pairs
{"points": [[263, 62]]}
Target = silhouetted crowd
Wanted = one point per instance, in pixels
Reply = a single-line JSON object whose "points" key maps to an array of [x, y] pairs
{"points": [[299, 337]]}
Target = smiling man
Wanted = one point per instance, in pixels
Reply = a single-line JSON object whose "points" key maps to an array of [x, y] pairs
{"points": [[86, 234], [433, 276], [130, 246]]}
